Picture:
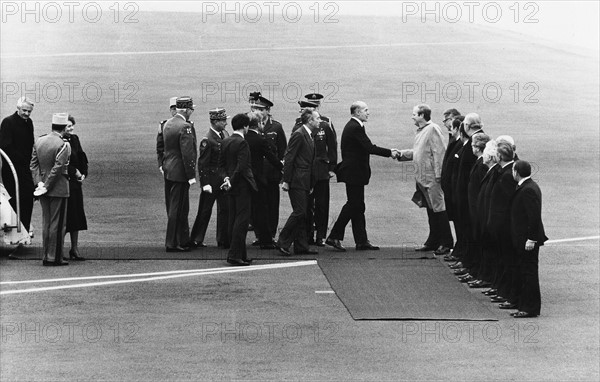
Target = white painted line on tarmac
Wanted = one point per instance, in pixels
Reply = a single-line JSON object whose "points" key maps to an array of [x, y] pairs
{"points": [[259, 49], [572, 239], [196, 272], [324, 292]]}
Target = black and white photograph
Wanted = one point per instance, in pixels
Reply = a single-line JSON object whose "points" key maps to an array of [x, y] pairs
{"points": [[300, 190]]}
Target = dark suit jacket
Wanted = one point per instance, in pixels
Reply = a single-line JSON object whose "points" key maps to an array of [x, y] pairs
{"points": [[16, 140], [499, 216], [234, 162], [275, 135], [298, 161], [478, 171], [179, 160], [483, 201], [208, 159], [356, 150], [449, 175], [526, 215], [261, 152]]}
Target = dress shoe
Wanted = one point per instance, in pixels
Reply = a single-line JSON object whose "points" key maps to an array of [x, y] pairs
{"points": [[521, 314], [442, 250], [456, 265], [74, 256], [178, 249], [284, 251], [320, 242], [307, 252], [480, 284], [268, 246], [424, 248], [47, 263], [249, 261], [335, 243], [497, 299], [250, 227], [507, 305], [237, 262], [256, 243], [195, 244], [450, 258], [367, 247], [466, 279], [490, 292], [461, 271]]}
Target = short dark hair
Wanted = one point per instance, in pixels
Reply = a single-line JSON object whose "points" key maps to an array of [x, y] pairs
{"points": [[424, 110], [523, 168], [58, 127], [239, 121], [306, 115], [451, 112], [71, 119], [505, 151], [458, 121]]}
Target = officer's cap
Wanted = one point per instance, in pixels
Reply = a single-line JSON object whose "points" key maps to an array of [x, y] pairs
{"points": [[185, 103], [253, 97], [307, 104], [218, 114], [262, 103], [60, 119], [314, 97]]}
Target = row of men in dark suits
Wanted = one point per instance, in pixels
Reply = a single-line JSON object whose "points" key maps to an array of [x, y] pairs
{"points": [[496, 210]]}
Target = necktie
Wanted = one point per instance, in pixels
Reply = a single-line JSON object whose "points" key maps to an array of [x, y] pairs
{"points": [[221, 135]]}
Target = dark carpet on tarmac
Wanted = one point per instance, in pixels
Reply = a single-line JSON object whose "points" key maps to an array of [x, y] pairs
{"points": [[147, 252], [387, 289]]}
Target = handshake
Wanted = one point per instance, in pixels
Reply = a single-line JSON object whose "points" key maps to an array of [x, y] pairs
{"points": [[396, 154]]}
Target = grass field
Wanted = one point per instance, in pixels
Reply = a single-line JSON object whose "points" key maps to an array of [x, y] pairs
{"points": [[391, 65]]}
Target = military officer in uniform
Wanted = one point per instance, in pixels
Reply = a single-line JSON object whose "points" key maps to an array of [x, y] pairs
{"points": [[324, 164], [273, 131], [160, 146], [179, 165], [210, 181], [49, 168]]}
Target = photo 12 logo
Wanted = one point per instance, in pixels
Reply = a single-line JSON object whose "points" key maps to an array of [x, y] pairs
{"points": [[289, 92], [470, 11], [469, 91], [269, 11], [68, 11], [72, 91]]}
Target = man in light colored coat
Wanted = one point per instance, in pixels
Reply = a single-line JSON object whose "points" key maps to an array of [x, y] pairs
{"points": [[428, 154], [49, 168]]}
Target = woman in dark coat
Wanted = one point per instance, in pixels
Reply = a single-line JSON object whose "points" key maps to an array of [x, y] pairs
{"points": [[78, 171]]}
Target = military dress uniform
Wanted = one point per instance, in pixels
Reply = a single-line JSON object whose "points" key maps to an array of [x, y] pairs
{"points": [[208, 162], [273, 131], [179, 165], [49, 165]]}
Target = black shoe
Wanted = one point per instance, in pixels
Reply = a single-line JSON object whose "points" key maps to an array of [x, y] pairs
{"points": [[237, 262], [249, 261], [451, 258], [456, 265], [424, 248], [320, 243], [442, 250], [268, 246], [195, 244], [307, 252], [47, 263], [461, 271], [179, 249], [250, 227], [284, 251], [335, 243], [74, 256], [255, 243], [367, 247]]}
